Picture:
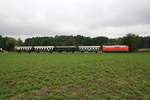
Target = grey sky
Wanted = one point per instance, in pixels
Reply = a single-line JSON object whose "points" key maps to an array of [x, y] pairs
{"points": [[112, 18]]}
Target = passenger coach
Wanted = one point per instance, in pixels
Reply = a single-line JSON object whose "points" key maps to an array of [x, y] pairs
{"points": [[89, 49], [23, 48], [66, 49], [43, 48]]}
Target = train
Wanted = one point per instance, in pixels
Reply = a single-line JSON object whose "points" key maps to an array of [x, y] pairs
{"points": [[96, 49]]}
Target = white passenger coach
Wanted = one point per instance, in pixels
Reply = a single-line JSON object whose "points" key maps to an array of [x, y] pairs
{"points": [[89, 48], [23, 48], [43, 48]]}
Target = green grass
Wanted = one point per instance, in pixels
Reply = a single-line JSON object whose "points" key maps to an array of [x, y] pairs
{"points": [[90, 76]]}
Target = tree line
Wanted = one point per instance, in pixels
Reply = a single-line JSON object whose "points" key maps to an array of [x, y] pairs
{"points": [[134, 42], [8, 43]]}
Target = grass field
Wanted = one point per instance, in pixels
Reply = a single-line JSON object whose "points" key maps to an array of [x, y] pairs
{"points": [[90, 76]]}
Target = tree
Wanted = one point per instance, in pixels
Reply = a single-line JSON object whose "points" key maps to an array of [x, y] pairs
{"points": [[19, 42], [133, 41], [10, 43], [145, 42], [1, 42], [100, 41]]}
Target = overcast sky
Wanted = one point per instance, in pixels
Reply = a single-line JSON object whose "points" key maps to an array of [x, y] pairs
{"points": [[112, 18]]}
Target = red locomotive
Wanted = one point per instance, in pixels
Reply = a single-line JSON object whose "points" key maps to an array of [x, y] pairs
{"points": [[115, 48]]}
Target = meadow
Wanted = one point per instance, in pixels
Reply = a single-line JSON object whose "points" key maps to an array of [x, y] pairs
{"points": [[87, 76]]}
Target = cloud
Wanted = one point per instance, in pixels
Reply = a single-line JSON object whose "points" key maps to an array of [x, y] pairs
{"points": [[112, 18]]}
